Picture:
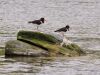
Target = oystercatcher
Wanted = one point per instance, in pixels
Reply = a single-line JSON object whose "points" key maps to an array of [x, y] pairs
{"points": [[64, 29], [38, 22]]}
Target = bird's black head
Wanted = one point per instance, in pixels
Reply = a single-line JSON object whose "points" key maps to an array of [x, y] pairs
{"points": [[42, 19], [67, 27]]}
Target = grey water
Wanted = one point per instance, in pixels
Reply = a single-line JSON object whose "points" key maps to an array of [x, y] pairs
{"points": [[82, 16]]}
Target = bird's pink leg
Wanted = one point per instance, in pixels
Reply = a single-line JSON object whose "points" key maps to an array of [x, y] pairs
{"points": [[62, 34], [37, 28]]}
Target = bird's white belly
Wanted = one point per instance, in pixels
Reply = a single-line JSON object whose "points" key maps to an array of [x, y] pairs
{"points": [[66, 41]]}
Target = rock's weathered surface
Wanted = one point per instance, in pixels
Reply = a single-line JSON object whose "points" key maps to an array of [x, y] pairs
{"points": [[15, 47]]}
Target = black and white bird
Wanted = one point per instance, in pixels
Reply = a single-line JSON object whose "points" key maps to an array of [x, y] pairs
{"points": [[64, 29], [38, 22]]}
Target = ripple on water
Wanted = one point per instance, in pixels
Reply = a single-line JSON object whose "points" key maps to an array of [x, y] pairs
{"points": [[84, 65]]}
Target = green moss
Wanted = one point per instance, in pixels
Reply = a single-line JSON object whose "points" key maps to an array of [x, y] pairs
{"points": [[37, 35], [49, 43], [76, 48]]}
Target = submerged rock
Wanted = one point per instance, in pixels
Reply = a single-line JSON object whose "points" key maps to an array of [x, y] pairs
{"points": [[44, 45], [18, 48]]}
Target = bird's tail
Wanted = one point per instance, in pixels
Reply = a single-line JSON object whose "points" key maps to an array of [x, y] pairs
{"points": [[29, 21]]}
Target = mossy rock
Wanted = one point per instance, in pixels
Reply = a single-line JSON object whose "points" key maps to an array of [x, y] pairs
{"points": [[49, 43], [38, 36]]}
